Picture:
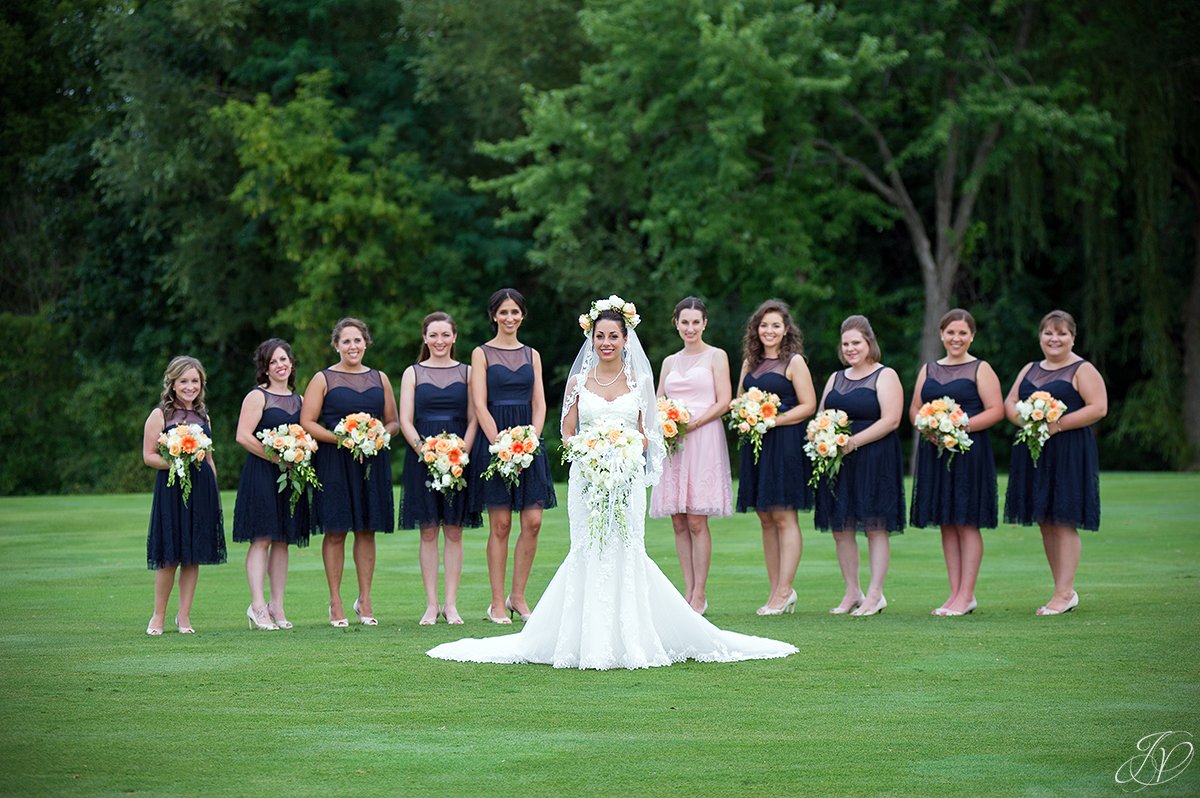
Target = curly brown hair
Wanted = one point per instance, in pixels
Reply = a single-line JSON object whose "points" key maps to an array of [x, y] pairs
{"points": [[791, 344], [262, 362], [175, 369]]}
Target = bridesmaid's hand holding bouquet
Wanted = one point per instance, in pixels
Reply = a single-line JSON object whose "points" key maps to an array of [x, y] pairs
{"points": [[751, 415], [292, 449], [1037, 413], [673, 420], [827, 436], [943, 423], [445, 455], [182, 447], [512, 453], [364, 435]]}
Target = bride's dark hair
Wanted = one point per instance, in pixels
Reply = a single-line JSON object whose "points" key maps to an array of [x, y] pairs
{"points": [[611, 315]]}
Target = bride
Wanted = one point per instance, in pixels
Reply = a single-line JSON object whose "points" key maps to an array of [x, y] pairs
{"points": [[609, 605]]}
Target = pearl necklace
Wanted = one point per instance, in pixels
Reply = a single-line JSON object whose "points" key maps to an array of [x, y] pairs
{"points": [[596, 377]]}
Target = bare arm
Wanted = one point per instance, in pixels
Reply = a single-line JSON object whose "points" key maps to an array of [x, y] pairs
{"points": [[252, 410], [662, 376], [891, 407], [806, 394], [391, 419], [988, 385], [472, 422], [571, 417], [825, 393], [916, 402], [479, 395], [741, 382], [153, 428], [1010, 401], [310, 412], [1091, 388], [539, 394], [408, 393]]}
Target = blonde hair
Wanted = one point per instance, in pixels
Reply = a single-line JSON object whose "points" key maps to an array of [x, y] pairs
{"points": [[175, 369], [862, 325]]}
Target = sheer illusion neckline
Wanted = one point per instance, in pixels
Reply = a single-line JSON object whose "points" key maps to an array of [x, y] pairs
{"points": [[505, 349], [1060, 368], [848, 378]]}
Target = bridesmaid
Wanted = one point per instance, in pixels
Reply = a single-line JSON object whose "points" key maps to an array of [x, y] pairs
{"points": [[434, 399], [506, 391], [869, 492], [351, 499], [1062, 493], [961, 497], [262, 515], [695, 482], [776, 487], [182, 536]]}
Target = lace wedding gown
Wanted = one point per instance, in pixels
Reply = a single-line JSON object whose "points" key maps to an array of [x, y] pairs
{"points": [[609, 605]]}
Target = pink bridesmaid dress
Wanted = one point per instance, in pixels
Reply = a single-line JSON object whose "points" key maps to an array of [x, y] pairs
{"points": [[696, 479]]}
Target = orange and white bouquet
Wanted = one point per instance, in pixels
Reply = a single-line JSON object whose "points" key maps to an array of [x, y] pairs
{"points": [[673, 420], [182, 447], [292, 448], [826, 436], [512, 453], [445, 455], [943, 423], [1037, 413], [751, 415], [364, 435], [610, 458]]}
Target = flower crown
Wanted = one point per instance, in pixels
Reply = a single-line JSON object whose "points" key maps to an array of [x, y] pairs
{"points": [[614, 302]]}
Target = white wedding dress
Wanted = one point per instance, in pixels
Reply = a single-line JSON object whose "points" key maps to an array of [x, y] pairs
{"points": [[609, 605]]}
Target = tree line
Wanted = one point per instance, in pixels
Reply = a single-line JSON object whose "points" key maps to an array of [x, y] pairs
{"points": [[194, 177]]}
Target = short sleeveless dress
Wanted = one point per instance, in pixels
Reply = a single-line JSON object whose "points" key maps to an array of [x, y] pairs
{"points": [[440, 405], [349, 501], [1064, 488], [191, 534], [868, 493], [510, 402], [965, 493], [261, 510], [696, 478], [779, 480]]}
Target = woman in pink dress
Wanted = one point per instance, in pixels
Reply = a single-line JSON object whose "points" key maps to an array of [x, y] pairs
{"points": [[696, 481]]}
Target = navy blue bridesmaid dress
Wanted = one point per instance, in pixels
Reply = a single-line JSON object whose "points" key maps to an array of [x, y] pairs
{"points": [[1064, 488], [779, 480], [191, 534], [963, 494], [349, 500], [261, 510], [510, 401], [440, 405], [868, 493]]}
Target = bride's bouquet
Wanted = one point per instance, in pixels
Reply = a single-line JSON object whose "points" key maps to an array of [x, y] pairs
{"points": [[182, 447], [444, 455], [673, 420], [512, 453], [364, 435], [943, 423], [751, 415], [1037, 413], [293, 449], [826, 438], [611, 462]]}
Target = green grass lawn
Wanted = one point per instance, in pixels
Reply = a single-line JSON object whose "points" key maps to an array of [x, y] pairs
{"points": [[996, 703]]}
